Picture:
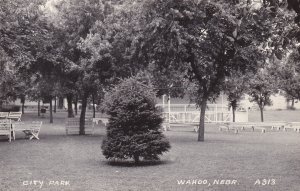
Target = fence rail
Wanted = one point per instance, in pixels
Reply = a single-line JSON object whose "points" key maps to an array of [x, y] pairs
{"points": [[189, 113]]}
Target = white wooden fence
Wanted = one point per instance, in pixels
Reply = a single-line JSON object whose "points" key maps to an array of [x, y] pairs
{"points": [[189, 113]]}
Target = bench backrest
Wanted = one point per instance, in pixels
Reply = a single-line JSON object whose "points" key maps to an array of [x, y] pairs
{"points": [[4, 114], [5, 126], [88, 124], [76, 122], [36, 125], [19, 125], [72, 124], [15, 114]]}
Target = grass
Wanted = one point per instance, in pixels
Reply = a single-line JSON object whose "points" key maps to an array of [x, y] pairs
{"points": [[244, 157]]}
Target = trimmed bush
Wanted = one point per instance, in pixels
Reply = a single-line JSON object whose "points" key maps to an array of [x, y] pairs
{"points": [[134, 128]]}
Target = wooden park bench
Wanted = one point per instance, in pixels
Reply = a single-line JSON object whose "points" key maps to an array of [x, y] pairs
{"points": [[72, 126], [253, 125], [31, 130], [5, 128], [15, 116], [293, 125], [228, 127], [104, 120], [167, 126], [4, 115]]}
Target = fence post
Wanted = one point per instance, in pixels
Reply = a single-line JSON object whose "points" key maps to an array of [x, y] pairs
{"points": [[247, 114], [216, 113], [231, 115], [184, 114], [169, 108]]}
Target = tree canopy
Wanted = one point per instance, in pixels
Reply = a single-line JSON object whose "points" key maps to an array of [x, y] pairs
{"points": [[206, 41]]}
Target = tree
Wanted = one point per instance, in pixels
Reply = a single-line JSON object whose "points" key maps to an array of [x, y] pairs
{"points": [[106, 51], [134, 124], [235, 87], [206, 41], [7, 78], [21, 88], [44, 80], [75, 20], [261, 86], [19, 28], [21, 34], [287, 73], [295, 5]]}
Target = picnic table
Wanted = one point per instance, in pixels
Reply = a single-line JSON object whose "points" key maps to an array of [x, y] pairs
{"points": [[253, 125]]}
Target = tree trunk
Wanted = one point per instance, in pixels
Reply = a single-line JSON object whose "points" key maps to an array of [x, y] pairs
{"points": [[94, 109], [82, 114], [23, 106], [70, 108], [233, 104], [54, 105], [76, 105], [261, 113], [202, 118], [233, 114], [23, 103], [51, 111], [60, 102], [136, 159], [1, 103], [39, 108], [293, 102]]}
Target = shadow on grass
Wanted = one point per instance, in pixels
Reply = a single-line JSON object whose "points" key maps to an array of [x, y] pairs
{"points": [[3, 140], [128, 163], [85, 136], [55, 138]]}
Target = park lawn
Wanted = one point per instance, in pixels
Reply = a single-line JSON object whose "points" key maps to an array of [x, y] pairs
{"points": [[244, 157]]}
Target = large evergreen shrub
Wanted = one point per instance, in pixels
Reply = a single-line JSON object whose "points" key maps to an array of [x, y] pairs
{"points": [[134, 124]]}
